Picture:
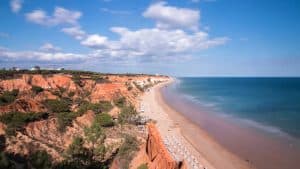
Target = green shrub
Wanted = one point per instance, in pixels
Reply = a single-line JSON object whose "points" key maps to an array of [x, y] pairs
{"points": [[85, 106], [15, 120], [120, 102], [143, 166], [99, 79], [102, 106], [127, 150], [37, 89], [8, 97], [56, 105], [105, 106], [56, 93], [5, 162], [71, 94], [62, 89], [129, 88], [95, 134], [77, 153], [40, 160], [104, 120], [65, 119], [127, 115], [77, 79]]}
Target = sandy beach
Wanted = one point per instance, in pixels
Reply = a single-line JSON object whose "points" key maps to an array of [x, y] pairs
{"points": [[195, 141]]}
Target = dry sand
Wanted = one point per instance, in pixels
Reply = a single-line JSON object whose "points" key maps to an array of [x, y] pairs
{"points": [[199, 144]]}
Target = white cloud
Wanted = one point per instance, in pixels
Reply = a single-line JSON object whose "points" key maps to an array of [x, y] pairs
{"points": [[172, 17], [75, 32], [150, 43], [59, 16], [48, 47], [16, 5], [39, 56], [95, 41], [171, 39]]}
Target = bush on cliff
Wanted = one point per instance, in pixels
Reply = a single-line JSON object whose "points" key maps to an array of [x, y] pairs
{"points": [[37, 89], [8, 97], [65, 119], [15, 120], [5, 162], [120, 102], [127, 150], [96, 136], [127, 115], [104, 120], [78, 154], [102, 106], [40, 160], [143, 166], [57, 105], [77, 79], [105, 106]]}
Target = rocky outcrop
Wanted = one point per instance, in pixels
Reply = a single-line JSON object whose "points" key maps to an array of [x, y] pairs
{"points": [[45, 135], [23, 105], [153, 153], [46, 131], [158, 154]]}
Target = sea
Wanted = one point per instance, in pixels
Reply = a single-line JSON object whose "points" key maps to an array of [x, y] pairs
{"points": [[268, 107]]}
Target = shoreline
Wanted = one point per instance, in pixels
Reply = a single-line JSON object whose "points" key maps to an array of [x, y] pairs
{"points": [[207, 151]]}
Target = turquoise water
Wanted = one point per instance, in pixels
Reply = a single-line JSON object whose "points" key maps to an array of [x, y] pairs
{"points": [[273, 103]]}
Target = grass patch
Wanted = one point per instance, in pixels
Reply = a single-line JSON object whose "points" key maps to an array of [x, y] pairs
{"points": [[143, 166], [65, 119], [127, 150], [37, 89], [102, 106], [40, 160], [77, 79], [127, 115], [58, 105], [105, 106], [8, 97], [104, 120], [16, 120], [120, 102]]}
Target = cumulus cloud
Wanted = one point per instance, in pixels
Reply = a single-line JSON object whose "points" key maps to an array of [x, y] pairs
{"points": [[48, 47], [16, 5], [170, 39], [76, 32], [172, 17], [59, 16], [39, 56], [95, 41], [152, 42]]}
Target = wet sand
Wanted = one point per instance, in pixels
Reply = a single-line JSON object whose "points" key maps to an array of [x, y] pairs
{"points": [[200, 144], [257, 148]]}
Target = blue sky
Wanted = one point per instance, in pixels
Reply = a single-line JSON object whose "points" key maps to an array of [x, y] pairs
{"points": [[181, 38]]}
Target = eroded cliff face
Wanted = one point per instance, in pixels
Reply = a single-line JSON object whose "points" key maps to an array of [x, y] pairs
{"points": [[154, 153], [90, 90], [158, 154], [45, 135]]}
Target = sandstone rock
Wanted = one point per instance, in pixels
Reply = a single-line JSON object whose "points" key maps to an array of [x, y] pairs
{"points": [[157, 152]]}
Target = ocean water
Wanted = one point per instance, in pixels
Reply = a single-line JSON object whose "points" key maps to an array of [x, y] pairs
{"points": [[270, 104]]}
